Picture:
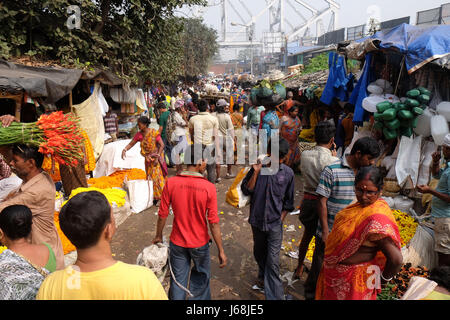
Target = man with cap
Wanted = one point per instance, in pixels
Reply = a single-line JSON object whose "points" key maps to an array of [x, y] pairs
{"points": [[226, 138], [440, 203]]}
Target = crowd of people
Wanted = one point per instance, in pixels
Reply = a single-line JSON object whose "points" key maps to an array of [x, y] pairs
{"points": [[357, 238]]}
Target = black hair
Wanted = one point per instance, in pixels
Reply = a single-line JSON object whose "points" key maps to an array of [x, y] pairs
{"points": [[28, 152], [220, 109], [366, 145], [84, 217], [144, 120], [202, 105], [349, 107], [161, 105], [370, 173], [441, 275], [16, 221], [293, 108], [324, 132]]}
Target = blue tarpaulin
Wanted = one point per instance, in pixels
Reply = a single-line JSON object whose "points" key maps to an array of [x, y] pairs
{"points": [[420, 44]]}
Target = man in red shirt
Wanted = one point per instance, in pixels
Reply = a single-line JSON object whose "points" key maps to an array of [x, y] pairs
{"points": [[194, 204]]}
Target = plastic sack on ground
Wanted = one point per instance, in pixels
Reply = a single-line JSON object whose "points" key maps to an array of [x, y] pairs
{"points": [[420, 250], [140, 193], [408, 161], [419, 288], [155, 257], [234, 195], [426, 159], [122, 213]]}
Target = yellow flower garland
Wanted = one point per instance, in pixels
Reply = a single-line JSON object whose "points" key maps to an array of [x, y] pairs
{"points": [[2, 248], [90, 164], [47, 167], [406, 225], [116, 196]]}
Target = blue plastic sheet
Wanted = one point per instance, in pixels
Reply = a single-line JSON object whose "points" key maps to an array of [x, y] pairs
{"points": [[360, 92], [420, 44]]}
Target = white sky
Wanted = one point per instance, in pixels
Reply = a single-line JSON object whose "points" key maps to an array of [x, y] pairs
{"points": [[351, 13]]}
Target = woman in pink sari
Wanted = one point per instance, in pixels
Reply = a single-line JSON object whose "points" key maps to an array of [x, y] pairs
{"points": [[363, 249]]}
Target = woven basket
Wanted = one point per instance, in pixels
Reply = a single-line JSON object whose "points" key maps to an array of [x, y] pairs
{"points": [[391, 185], [390, 194]]}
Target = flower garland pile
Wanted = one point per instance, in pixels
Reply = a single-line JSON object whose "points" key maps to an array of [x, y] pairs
{"points": [[406, 225], [90, 164], [47, 167], [114, 196], [66, 244], [57, 134], [116, 179]]}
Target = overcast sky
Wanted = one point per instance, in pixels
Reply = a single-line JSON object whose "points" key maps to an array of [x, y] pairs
{"points": [[351, 13]]}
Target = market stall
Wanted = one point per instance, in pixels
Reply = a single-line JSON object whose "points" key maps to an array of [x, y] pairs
{"points": [[402, 99]]}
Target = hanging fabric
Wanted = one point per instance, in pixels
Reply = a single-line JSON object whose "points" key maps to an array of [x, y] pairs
{"points": [[360, 92], [338, 81]]}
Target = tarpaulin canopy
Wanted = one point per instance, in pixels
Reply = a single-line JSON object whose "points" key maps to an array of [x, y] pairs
{"points": [[420, 44], [46, 82], [49, 83]]}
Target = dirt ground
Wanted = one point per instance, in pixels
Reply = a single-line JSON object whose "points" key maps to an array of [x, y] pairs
{"points": [[235, 281]]}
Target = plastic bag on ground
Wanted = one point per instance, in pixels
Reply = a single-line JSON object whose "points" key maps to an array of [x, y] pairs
{"points": [[155, 257], [420, 250], [140, 193], [419, 288], [426, 159], [234, 195]]}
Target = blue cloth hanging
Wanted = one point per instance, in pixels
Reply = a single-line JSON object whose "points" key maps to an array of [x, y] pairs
{"points": [[360, 92], [328, 91], [338, 81]]}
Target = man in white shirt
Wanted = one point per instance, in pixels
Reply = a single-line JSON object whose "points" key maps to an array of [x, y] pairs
{"points": [[203, 129], [312, 163], [226, 138]]}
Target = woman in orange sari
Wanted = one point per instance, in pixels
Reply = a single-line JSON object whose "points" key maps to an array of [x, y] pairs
{"points": [[152, 149], [289, 130], [362, 251]]}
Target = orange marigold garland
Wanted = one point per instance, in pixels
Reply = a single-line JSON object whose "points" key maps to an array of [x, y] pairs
{"points": [[116, 179], [56, 134], [67, 245]]}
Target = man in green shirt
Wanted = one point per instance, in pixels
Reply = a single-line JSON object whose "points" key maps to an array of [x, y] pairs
{"points": [[164, 112]]}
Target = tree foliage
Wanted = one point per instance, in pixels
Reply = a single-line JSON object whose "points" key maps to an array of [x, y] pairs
{"points": [[200, 47], [137, 39], [318, 63]]}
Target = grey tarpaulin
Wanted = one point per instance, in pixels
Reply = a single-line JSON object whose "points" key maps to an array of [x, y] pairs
{"points": [[49, 83]]}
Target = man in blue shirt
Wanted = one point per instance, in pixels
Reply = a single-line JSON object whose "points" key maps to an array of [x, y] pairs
{"points": [[272, 197], [440, 203]]}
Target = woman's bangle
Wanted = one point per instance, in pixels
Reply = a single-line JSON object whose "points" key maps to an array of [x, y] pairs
{"points": [[387, 280]]}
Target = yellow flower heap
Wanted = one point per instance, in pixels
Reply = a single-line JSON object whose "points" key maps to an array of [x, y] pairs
{"points": [[116, 196], [406, 225], [116, 179]]}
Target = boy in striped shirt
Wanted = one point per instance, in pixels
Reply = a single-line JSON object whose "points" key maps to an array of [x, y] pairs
{"points": [[336, 191]]}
